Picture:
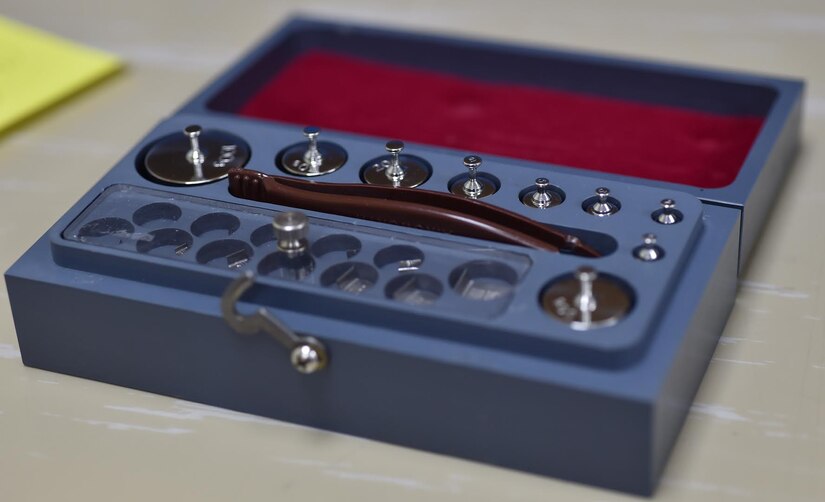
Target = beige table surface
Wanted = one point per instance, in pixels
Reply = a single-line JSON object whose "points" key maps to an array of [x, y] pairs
{"points": [[756, 431]]}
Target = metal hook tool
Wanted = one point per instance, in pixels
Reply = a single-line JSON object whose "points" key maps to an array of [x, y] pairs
{"points": [[307, 354]]}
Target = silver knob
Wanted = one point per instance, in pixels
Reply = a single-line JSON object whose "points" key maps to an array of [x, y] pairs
{"points": [[603, 206], [395, 172], [194, 155], [472, 188], [312, 157], [649, 250], [541, 199], [585, 301], [668, 214], [308, 357], [291, 230]]}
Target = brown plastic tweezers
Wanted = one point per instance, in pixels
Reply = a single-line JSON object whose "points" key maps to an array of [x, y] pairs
{"points": [[409, 207]]}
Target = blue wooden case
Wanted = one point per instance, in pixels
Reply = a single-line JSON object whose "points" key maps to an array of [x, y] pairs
{"points": [[497, 381]]}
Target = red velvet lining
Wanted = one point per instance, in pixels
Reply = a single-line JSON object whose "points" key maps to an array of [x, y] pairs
{"points": [[656, 142]]}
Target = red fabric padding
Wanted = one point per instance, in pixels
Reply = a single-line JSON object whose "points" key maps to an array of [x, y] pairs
{"points": [[666, 143]]}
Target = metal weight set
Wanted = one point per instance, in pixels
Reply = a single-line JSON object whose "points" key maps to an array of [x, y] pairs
{"points": [[583, 297]]}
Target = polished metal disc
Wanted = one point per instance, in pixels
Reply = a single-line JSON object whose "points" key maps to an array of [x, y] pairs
{"points": [[170, 159], [293, 159], [611, 301], [415, 171]]}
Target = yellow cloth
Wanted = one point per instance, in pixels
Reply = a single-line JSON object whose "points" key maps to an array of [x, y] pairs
{"points": [[38, 69]]}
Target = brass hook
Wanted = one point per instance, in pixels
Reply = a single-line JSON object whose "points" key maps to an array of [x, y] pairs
{"points": [[307, 354]]}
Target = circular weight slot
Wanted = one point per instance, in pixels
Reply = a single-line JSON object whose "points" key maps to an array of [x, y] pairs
{"points": [[172, 160], [179, 240], [352, 277], [215, 221], [283, 266], [106, 231], [489, 184], [415, 170], [402, 257], [483, 280], [231, 253], [263, 235], [336, 243], [567, 300], [531, 197], [161, 212], [414, 289]]}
